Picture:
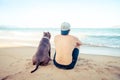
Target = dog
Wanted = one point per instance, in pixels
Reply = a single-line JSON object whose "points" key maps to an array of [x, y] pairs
{"points": [[42, 56]]}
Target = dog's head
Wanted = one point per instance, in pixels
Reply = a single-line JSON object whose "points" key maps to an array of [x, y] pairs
{"points": [[47, 34]]}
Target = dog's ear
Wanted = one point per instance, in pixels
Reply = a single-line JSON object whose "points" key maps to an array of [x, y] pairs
{"points": [[49, 35], [44, 33]]}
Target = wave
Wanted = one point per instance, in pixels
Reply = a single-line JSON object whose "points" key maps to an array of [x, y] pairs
{"points": [[101, 45], [103, 35], [99, 34]]}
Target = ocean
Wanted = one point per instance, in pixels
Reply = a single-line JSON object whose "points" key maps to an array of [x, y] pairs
{"points": [[99, 41]]}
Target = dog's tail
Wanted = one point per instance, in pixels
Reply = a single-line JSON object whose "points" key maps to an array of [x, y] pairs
{"points": [[37, 65]]}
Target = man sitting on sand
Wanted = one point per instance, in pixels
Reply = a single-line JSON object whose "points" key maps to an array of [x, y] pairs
{"points": [[67, 48]]}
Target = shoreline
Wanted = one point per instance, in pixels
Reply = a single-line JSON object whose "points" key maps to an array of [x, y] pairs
{"points": [[85, 49], [105, 51]]}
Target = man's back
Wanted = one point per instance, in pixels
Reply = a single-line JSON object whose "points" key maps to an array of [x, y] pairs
{"points": [[64, 48]]}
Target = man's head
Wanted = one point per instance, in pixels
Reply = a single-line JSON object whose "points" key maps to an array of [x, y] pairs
{"points": [[65, 28]]}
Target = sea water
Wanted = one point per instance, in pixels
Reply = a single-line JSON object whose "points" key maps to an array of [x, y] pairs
{"points": [[103, 41]]}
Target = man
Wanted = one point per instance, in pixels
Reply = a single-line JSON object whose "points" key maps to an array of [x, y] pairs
{"points": [[66, 47]]}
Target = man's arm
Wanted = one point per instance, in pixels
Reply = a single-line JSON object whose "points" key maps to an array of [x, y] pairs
{"points": [[78, 43]]}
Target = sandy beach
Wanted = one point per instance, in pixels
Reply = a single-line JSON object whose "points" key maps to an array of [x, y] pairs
{"points": [[16, 64], [96, 23]]}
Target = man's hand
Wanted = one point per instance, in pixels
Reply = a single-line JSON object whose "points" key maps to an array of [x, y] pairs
{"points": [[78, 44]]}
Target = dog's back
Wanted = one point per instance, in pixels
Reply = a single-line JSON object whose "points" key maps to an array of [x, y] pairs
{"points": [[44, 50], [42, 56]]}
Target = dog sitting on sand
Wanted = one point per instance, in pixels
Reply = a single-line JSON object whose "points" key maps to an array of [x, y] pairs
{"points": [[42, 56]]}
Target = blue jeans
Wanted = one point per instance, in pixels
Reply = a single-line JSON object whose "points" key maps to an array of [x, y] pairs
{"points": [[72, 64]]}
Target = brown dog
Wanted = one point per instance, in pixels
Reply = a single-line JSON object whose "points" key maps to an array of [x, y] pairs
{"points": [[42, 56]]}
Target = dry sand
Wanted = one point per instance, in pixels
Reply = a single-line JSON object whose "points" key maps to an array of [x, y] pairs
{"points": [[16, 64]]}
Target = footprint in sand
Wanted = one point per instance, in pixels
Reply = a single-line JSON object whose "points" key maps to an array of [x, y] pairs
{"points": [[115, 67], [28, 63], [9, 76], [5, 78], [104, 79], [85, 64], [100, 71], [114, 70]]}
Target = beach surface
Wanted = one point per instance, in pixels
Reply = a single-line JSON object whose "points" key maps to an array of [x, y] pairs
{"points": [[16, 64]]}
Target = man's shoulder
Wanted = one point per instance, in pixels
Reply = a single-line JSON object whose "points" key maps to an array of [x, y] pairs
{"points": [[57, 35], [73, 36]]}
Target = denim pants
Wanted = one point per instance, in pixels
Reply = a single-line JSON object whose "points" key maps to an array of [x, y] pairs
{"points": [[72, 64]]}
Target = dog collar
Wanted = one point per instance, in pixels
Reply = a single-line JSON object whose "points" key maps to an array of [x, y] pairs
{"points": [[46, 38]]}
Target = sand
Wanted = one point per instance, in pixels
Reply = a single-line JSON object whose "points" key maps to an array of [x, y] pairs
{"points": [[16, 64]]}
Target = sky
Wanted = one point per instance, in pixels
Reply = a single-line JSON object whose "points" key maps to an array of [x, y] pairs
{"points": [[51, 13]]}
